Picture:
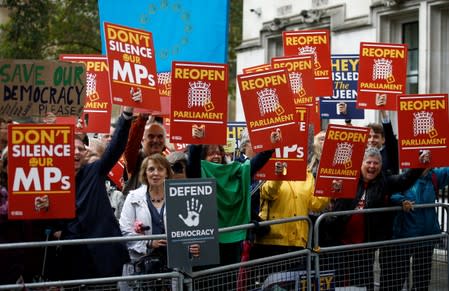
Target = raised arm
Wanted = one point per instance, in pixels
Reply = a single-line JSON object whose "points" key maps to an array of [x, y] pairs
{"points": [[401, 182], [193, 169], [118, 142], [391, 143], [259, 160], [134, 142]]}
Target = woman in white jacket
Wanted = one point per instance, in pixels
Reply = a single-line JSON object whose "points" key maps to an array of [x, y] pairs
{"points": [[144, 208], [144, 212]]}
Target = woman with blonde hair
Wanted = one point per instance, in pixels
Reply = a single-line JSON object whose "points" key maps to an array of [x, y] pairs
{"points": [[317, 149], [144, 213]]}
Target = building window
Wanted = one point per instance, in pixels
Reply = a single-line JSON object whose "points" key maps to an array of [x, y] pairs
{"points": [[410, 36], [274, 48], [439, 49]]}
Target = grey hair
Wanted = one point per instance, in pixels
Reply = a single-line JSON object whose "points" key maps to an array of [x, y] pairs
{"points": [[177, 156], [244, 140], [372, 152]]}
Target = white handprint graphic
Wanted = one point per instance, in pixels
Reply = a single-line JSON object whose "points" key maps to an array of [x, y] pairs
{"points": [[193, 213]]}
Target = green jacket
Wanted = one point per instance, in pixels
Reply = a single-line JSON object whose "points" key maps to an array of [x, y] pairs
{"points": [[233, 197]]}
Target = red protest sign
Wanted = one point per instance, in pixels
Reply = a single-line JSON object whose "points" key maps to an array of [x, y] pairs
{"points": [[317, 43], [343, 150], [269, 109], [116, 173], [292, 158], [423, 120], [41, 171], [96, 116], [200, 106], [164, 88], [382, 75], [132, 66], [301, 75], [315, 116], [258, 68], [302, 83]]}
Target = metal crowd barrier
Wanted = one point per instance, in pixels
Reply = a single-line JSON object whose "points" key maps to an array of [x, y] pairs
{"points": [[315, 268], [386, 265], [160, 281], [443, 197]]}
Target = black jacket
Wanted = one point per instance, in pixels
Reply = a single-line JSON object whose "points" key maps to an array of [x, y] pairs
{"points": [[378, 226]]}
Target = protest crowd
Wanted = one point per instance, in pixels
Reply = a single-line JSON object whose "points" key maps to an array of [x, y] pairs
{"points": [[121, 173], [103, 210]]}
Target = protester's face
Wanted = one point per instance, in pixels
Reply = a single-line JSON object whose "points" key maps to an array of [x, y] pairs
{"points": [[320, 139], [214, 155], [80, 154], [106, 138], [153, 140], [249, 150], [375, 139], [371, 167], [156, 173]]}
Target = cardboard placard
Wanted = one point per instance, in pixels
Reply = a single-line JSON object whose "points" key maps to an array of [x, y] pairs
{"points": [[258, 68], [382, 74], [292, 158], [269, 109], [33, 88], [191, 219], [423, 120], [96, 116], [345, 74], [201, 101], [40, 164], [301, 76], [317, 43], [341, 160], [164, 87], [302, 84], [132, 66], [116, 173], [314, 116]]}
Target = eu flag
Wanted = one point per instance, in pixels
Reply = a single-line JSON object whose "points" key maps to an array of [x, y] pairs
{"points": [[183, 30]]}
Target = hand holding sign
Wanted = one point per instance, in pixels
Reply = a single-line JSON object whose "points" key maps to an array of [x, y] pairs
{"points": [[424, 156], [136, 95], [381, 99], [408, 205], [337, 185], [193, 213], [41, 203], [276, 136]]}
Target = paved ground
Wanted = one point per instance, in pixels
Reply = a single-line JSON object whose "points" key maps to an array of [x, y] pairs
{"points": [[440, 273]]}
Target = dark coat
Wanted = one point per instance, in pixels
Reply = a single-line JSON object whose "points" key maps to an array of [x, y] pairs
{"points": [[378, 226], [390, 159], [94, 215]]}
